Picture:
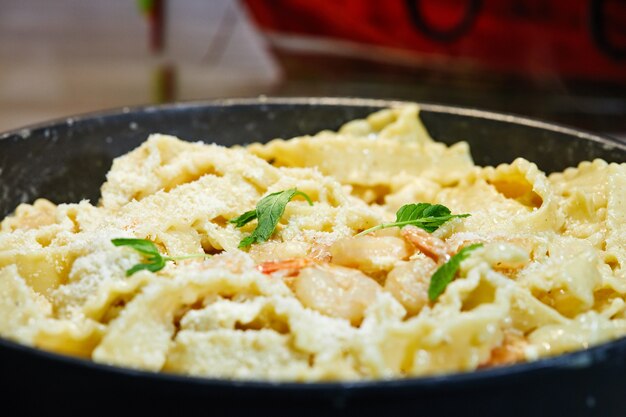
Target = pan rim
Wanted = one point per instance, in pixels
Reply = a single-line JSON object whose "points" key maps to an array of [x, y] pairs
{"points": [[571, 361], [505, 117]]}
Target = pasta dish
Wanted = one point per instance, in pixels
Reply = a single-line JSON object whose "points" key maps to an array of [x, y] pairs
{"points": [[372, 252]]}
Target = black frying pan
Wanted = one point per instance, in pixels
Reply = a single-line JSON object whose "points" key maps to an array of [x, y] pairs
{"points": [[66, 161]]}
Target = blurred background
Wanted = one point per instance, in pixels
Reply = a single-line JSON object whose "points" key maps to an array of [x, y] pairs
{"points": [[559, 60]]}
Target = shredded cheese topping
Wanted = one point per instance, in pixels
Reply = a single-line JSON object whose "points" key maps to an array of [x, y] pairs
{"points": [[316, 302]]}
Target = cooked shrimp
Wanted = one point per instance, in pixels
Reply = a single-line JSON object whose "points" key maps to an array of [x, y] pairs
{"points": [[292, 266], [336, 291], [429, 245], [369, 254], [511, 351], [408, 283]]}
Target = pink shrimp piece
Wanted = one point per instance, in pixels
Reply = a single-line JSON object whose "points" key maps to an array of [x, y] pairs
{"points": [[511, 351], [429, 245], [292, 266]]}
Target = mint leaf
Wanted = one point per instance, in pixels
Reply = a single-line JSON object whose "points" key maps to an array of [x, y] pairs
{"points": [[244, 219], [154, 260], [423, 215], [446, 272], [306, 197], [268, 212], [153, 265], [140, 245], [421, 210]]}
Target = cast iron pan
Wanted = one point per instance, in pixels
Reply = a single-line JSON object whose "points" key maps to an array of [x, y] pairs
{"points": [[66, 161]]}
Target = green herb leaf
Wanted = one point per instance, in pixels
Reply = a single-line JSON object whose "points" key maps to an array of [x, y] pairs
{"points": [[154, 260], [446, 272], [424, 215], [244, 219], [268, 212], [153, 265], [411, 212], [301, 194], [140, 245], [247, 241]]}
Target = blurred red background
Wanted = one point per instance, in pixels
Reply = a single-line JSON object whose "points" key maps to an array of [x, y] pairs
{"points": [[560, 60]]}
